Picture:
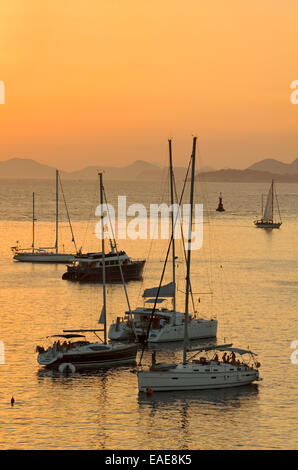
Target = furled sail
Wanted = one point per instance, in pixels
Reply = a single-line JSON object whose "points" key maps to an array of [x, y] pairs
{"points": [[268, 213], [102, 316], [167, 290]]}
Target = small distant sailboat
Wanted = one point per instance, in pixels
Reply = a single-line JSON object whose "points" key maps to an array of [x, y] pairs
{"points": [[46, 254], [268, 217], [220, 207]]}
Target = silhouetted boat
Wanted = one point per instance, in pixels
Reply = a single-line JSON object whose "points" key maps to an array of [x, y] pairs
{"points": [[46, 254], [267, 220], [82, 354]]}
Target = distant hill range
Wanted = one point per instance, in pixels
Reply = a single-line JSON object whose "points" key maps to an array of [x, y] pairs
{"points": [[23, 168], [263, 171]]}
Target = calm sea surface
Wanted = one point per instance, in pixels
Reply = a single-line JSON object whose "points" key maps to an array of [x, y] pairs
{"points": [[246, 276]]}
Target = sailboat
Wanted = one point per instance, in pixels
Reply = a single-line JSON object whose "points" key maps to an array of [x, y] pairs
{"points": [[78, 353], [159, 325], [220, 207], [202, 373], [267, 221], [46, 254]]}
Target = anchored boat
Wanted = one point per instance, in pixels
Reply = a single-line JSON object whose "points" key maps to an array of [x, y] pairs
{"points": [[157, 325], [79, 353], [268, 217], [46, 254], [192, 373]]}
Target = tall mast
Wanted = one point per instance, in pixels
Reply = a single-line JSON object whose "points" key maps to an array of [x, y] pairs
{"points": [[33, 220], [57, 209], [189, 248], [172, 221], [104, 311], [272, 200]]}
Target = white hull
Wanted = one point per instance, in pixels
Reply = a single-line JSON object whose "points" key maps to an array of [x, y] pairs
{"points": [[44, 257], [194, 377], [197, 329]]}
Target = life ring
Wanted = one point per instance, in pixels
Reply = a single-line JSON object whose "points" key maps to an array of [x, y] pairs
{"points": [[67, 367]]}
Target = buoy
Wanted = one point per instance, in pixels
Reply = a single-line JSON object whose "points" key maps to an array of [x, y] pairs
{"points": [[12, 401], [67, 367], [149, 391]]}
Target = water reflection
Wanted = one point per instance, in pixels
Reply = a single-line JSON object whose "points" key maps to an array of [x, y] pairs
{"points": [[235, 397]]}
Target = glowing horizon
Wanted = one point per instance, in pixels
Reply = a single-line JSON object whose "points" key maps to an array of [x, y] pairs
{"points": [[112, 82]]}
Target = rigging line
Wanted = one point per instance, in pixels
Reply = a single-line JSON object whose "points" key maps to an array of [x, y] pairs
{"points": [[163, 184], [183, 242], [277, 206], [118, 258], [69, 221], [164, 268]]}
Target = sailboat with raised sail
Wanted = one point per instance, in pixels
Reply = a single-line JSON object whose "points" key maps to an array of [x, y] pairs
{"points": [[203, 372], [78, 353], [45, 254], [268, 217], [166, 324]]}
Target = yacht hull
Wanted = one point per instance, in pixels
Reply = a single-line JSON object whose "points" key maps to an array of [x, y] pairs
{"points": [[197, 329], [44, 257], [189, 377], [131, 272], [111, 356]]}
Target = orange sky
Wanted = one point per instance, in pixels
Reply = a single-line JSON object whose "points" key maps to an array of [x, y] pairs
{"points": [[108, 81]]}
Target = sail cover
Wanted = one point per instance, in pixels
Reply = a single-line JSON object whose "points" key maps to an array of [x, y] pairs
{"points": [[167, 290], [268, 213]]}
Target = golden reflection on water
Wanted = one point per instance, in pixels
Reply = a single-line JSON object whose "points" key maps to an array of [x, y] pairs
{"points": [[253, 276]]}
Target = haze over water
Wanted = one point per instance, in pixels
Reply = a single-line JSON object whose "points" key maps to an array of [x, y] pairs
{"points": [[252, 273]]}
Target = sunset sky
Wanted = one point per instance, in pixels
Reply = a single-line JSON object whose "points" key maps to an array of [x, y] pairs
{"points": [[109, 81]]}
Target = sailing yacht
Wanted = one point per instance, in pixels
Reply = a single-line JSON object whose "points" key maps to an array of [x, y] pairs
{"points": [[202, 373], [267, 221], [159, 325], [78, 353], [46, 254]]}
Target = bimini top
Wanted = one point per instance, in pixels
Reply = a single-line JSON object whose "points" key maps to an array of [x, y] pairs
{"points": [[224, 347]]}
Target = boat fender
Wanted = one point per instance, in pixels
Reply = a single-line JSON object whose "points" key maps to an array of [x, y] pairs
{"points": [[67, 367], [203, 360], [149, 391]]}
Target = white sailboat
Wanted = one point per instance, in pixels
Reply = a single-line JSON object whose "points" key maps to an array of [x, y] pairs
{"points": [[202, 373], [46, 254], [78, 353], [165, 324], [268, 217]]}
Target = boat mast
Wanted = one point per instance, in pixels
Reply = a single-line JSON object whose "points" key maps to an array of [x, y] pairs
{"points": [[33, 220], [57, 208], [272, 195], [173, 225], [193, 156], [103, 260]]}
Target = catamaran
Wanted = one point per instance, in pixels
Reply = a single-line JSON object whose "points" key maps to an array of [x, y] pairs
{"points": [[163, 324], [46, 254], [76, 352], [202, 373], [268, 218]]}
